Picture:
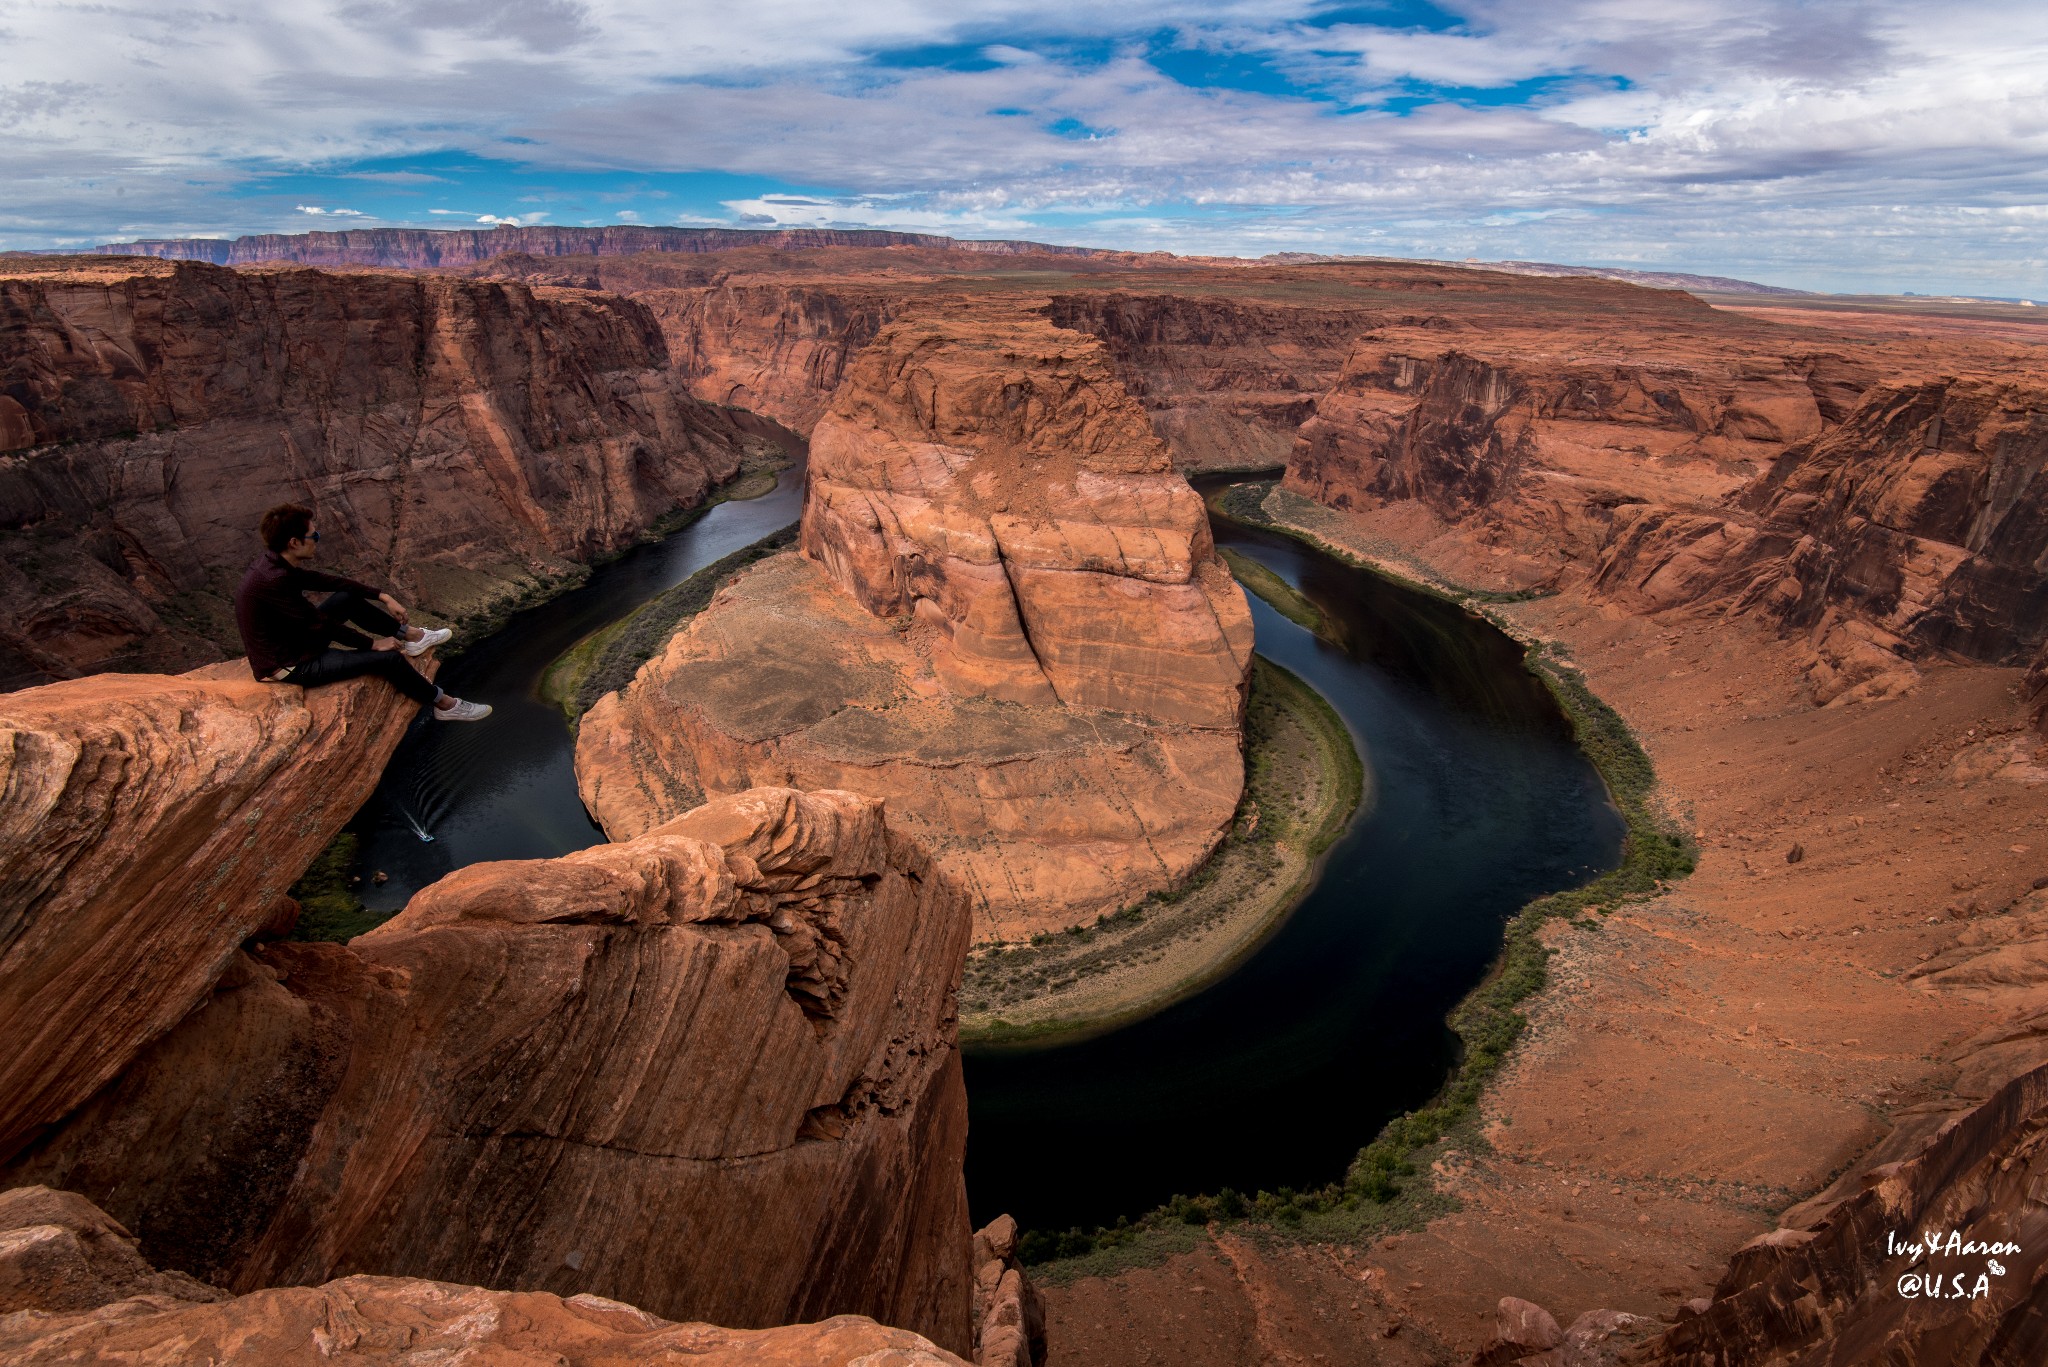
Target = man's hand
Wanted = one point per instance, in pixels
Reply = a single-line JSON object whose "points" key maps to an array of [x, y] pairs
{"points": [[384, 643], [393, 606]]}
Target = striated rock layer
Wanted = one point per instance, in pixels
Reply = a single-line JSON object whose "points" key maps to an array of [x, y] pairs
{"points": [[74, 1288], [148, 826], [463, 442], [1008, 621], [711, 1071], [1915, 528]]}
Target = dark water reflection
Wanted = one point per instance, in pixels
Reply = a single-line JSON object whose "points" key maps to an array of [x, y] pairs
{"points": [[505, 788], [1278, 1074]]}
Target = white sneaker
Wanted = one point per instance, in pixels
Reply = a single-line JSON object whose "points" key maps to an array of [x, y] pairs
{"points": [[427, 641], [463, 711]]}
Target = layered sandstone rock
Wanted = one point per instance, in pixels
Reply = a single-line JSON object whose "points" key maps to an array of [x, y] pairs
{"points": [[463, 442], [995, 483], [711, 1071], [87, 1294], [1544, 440], [149, 826], [1881, 521], [1009, 1320], [1009, 622], [775, 349]]}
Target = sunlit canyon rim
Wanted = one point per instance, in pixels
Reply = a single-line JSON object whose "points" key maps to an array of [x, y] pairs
{"points": [[1795, 548]]}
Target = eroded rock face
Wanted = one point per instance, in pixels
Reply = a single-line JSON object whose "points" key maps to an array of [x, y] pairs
{"points": [[1831, 1285], [90, 1296], [1009, 1320], [1545, 440], [149, 826], [776, 349], [1011, 624], [711, 1071], [1917, 526], [995, 482], [1884, 520], [463, 441]]}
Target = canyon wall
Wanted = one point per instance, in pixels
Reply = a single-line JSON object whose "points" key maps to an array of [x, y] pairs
{"points": [[1225, 381], [776, 349], [1879, 520], [463, 442], [1539, 444], [1008, 620], [1916, 528]]}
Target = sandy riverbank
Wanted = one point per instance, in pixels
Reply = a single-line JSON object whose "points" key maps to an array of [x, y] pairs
{"points": [[1304, 780]]}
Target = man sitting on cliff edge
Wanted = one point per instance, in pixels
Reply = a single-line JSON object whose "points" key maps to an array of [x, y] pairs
{"points": [[291, 640]]}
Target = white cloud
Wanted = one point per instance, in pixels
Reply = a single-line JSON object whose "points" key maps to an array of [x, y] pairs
{"points": [[330, 213], [1698, 132]]}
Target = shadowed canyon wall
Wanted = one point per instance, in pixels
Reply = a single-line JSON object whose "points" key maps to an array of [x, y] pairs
{"points": [[1226, 381], [463, 443], [1008, 619]]}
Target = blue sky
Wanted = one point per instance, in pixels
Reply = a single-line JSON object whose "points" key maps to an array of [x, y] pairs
{"points": [[1840, 145]]}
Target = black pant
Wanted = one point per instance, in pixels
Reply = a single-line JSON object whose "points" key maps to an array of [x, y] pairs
{"points": [[344, 611]]}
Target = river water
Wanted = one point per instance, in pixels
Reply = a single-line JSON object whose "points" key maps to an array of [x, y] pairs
{"points": [[505, 788], [1272, 1077]]}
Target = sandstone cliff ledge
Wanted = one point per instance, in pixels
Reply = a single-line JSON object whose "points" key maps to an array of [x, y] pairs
{"points": [[74, 1288], [711, 1070], [1008, 621], [148, 826]]}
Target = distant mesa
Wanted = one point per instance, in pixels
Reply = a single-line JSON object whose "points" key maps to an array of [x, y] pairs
{"points": [[417, 248], [1662, 280]]}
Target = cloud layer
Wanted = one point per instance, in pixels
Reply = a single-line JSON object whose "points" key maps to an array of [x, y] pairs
{"points": [[1883, 145]]}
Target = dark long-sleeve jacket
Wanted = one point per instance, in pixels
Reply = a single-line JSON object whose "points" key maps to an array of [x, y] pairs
{"points": [[280, 628]]}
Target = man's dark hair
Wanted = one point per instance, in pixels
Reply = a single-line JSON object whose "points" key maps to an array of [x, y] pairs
{"points": [[286, 523]]}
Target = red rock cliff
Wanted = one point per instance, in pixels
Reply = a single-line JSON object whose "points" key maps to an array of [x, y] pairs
{"points": [[711, 1071], [1226, 381], [463, 442], [1917, 526]]}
